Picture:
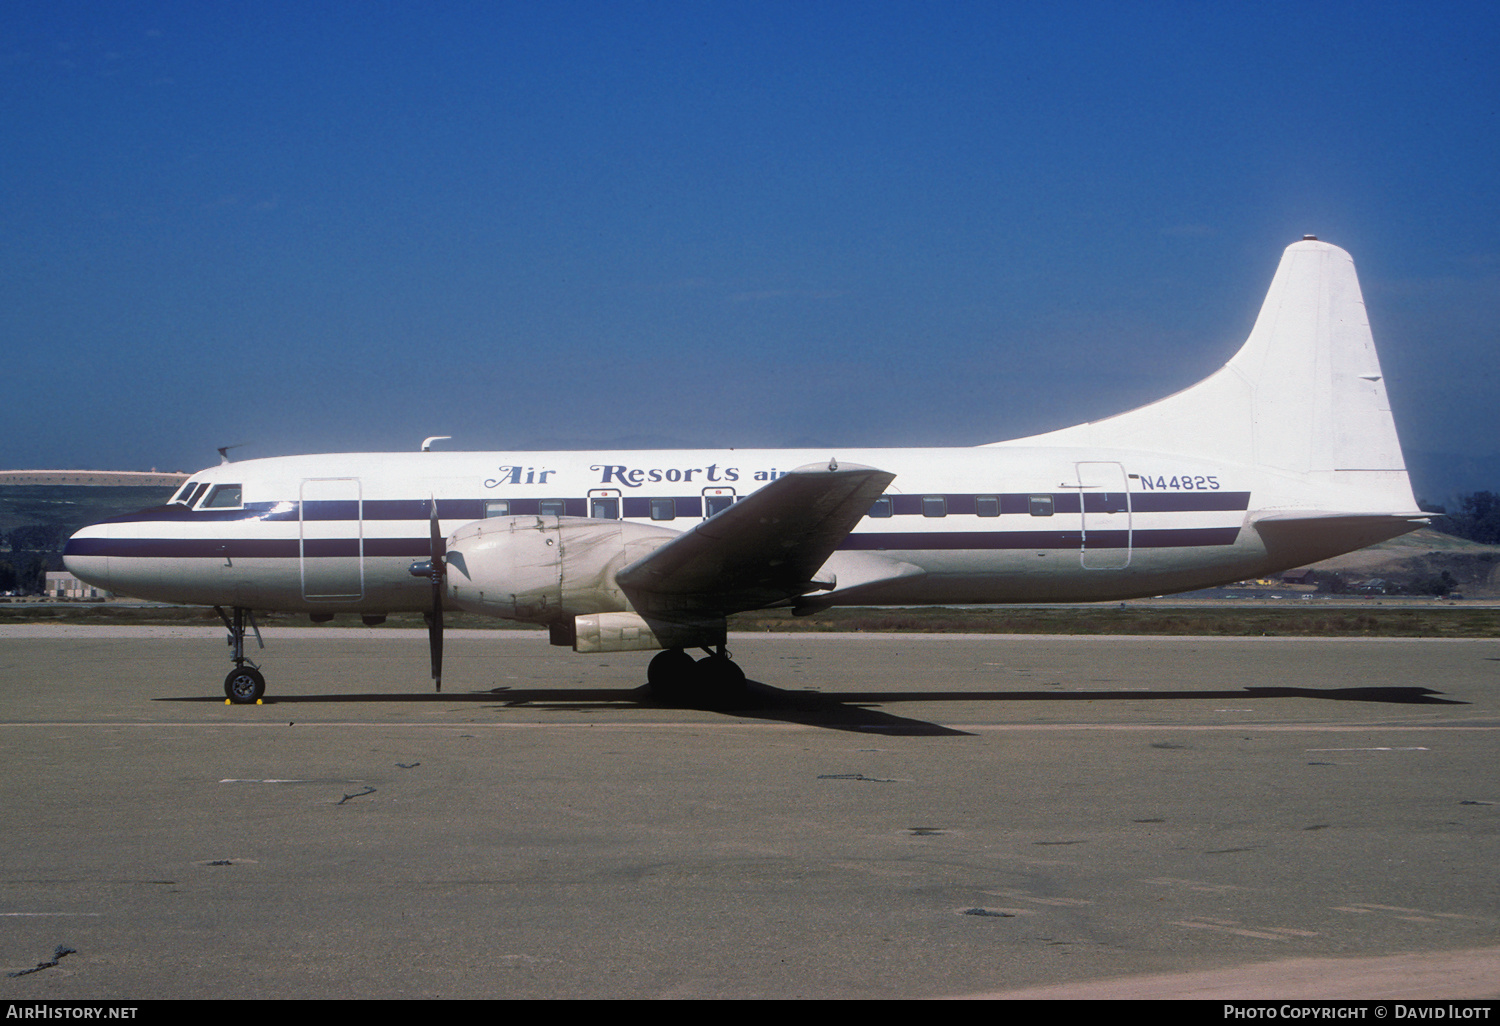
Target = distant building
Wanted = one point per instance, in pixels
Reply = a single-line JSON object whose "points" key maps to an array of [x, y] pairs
{"points": [[63, 585]]}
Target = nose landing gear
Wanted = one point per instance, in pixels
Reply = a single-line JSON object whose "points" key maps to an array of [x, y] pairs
{"points": [[245, 684]]}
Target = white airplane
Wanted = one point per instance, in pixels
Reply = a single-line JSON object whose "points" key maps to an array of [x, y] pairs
{"points": [[1285, 456]]}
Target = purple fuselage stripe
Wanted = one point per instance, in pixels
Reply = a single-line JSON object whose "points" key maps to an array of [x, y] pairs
{"points": [[686, 507], [956, 504], [417, 548]]}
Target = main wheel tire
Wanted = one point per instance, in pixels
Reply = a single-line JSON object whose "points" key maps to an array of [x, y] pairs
{"points": [[244, 685], [670, 675], [720, 683]]}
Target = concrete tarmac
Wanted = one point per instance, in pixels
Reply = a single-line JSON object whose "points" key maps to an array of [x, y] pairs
{"points": [[893, 816]]}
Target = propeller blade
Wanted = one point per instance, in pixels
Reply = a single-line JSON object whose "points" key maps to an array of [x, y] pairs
{"points": [[435, 643], [435, 618]]}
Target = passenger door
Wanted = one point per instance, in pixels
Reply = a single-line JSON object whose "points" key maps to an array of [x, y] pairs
{"points": [[1105, 494]]}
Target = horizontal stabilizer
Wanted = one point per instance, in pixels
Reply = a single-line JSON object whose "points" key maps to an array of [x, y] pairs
{"points": [[1297, 537]]}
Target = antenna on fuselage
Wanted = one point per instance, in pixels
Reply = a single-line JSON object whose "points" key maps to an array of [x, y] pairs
{"points": [[427, 443], [224, 452]]}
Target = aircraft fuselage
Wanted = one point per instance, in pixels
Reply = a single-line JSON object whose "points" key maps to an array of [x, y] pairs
{"points": [[338, 533]]}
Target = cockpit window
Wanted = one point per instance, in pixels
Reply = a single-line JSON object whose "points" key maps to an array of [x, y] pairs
{"points": [[224, 496], [182, 493], [193, 496]]}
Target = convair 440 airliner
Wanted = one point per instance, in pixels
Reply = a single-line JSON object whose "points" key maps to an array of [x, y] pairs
{"points": [[1286, 455]]}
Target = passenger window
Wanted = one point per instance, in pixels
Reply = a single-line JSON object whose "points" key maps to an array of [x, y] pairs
{"points": [[604, 509], [715, 504], [1041, 505], [497, 508], [663, 509], [987, 505], [882, 508], [552, 507], [934, 506], [224, 496]]}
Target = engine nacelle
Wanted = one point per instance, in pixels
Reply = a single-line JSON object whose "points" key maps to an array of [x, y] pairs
{"points": [[545, 569], [631, 632]]}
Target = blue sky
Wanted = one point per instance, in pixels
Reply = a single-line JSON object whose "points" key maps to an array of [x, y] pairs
{"points": [[346, 226]]}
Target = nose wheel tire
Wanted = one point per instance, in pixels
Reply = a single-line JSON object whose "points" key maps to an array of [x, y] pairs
{"points": [[244, 685]]}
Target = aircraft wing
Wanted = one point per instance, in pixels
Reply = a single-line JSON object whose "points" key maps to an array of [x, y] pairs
{"points": [[766, 548]]}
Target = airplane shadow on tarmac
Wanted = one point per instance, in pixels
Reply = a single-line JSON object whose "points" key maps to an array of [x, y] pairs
{"points": [[846, 710]]}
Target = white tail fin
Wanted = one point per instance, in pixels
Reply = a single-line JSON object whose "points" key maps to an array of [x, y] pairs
{"points": [[1304, 395]]}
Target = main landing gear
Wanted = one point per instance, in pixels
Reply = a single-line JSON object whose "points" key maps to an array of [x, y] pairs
{"points": [[245, 685], [715, 680]]}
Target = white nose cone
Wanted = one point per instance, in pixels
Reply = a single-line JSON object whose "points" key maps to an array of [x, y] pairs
{"points": [[87, 555]]}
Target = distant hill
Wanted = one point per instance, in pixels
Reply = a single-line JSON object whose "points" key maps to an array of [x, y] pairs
{"points": [[1423, 555], [94, 478]]}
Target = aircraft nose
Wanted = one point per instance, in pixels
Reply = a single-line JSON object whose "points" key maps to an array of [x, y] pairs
{"points": [[86, 555]]}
